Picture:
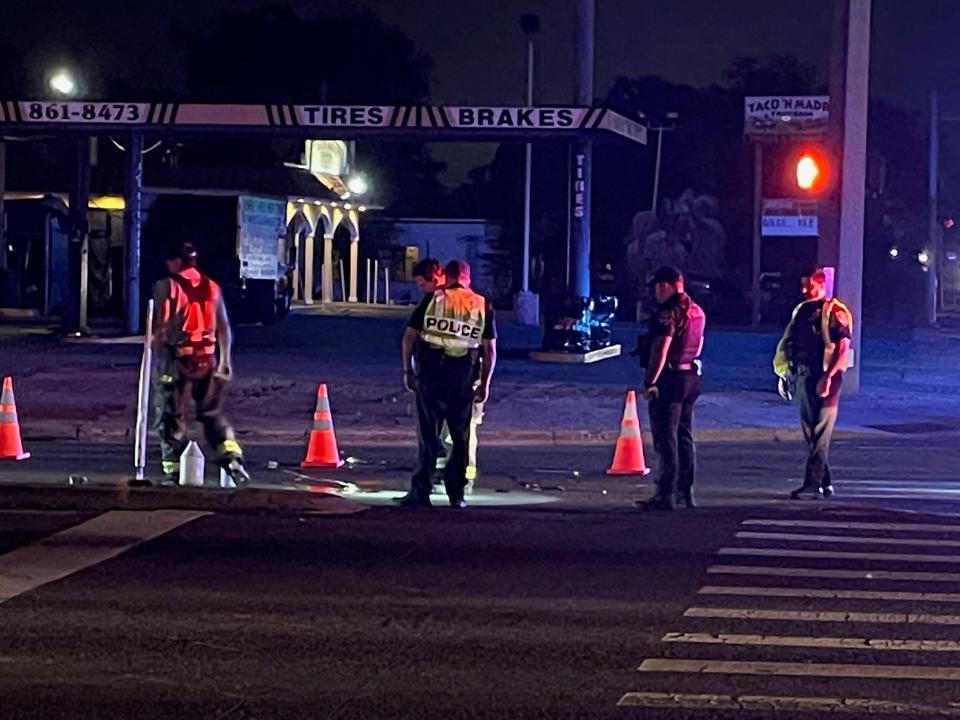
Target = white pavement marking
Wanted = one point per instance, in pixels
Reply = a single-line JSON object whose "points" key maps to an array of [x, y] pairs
{"points": [[82, 546], [835, 574], [830, 594], [882, 495], [822, 616], [794, 641], [869, 706], [840, 555], [839, 525], [886, 489], [850, 539], [830, 670]]}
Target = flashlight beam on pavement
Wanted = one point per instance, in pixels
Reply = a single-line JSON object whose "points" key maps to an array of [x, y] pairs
{"points": [[143, 397]]}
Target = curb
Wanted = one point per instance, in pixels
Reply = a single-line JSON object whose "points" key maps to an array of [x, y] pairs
{"points": [[507, 438], [102, 499]]}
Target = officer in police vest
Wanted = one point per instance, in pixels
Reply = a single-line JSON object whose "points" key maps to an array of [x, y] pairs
{"points": [[810, 360], [443, 340], [190, 325], [672, 386]]}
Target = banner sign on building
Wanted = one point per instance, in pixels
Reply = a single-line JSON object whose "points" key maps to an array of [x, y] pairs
{"points": [[440, 120], [261, 223], [790, 115], [789, 218]]}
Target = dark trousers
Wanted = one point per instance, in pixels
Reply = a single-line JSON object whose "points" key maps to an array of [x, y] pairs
{"points": [[173, 385], [671, 423], [444, 395], [818, 416]]}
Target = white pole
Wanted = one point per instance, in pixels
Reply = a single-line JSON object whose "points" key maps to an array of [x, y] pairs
{"points": [[376, 273], [386, 285], [343, 282], [757, 234], [366, 297], [656, 170], [933, 227], [528, 172], [143, 398]]}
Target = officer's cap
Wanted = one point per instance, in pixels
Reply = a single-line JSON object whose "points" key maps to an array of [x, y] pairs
{"points": [[457, 269], [665, 274], [185, 251]]}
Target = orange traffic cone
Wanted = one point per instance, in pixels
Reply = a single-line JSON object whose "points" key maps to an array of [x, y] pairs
{"points": [[322, 449], [628, 457], [11, 448]]}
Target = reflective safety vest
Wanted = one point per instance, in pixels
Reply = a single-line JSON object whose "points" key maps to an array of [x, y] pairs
{"points": [[454, 321], [191, 315], [685, 347], [831, 308]]}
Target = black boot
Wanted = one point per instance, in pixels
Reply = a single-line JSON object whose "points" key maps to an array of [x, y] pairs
{"points": [[656, 503], [412, 500], [686, 496]]}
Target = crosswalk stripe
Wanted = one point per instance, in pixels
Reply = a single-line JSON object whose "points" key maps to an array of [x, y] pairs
{"points": [[833, 574], [822, 616], [843, 525], [884, 495], [82, 546], [843, 643], [877, 488], [766, 703], [848, 539], [834, 594], [840, 555], [831, 670]]}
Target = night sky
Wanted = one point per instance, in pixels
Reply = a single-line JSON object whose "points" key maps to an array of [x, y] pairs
{"points": [[477, 46]]}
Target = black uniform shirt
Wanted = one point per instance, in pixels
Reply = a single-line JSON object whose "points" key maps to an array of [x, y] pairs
{"points": [[805, 345]]}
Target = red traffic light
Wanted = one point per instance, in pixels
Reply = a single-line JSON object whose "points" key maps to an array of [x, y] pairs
{"points": [[808, 170], [811, 170]]}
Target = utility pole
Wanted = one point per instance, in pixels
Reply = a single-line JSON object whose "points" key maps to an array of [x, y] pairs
{"points": [[935, 249], [132, 222], [659, 129], [757, 232], [842, 244], [74, 316], [3, 218], [582, 151], [528, 305]]}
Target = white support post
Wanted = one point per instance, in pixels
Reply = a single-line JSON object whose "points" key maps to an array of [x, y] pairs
{"points": [[354, 261], [296, 267], [376, 279], [366, 296], [327, 289], [308, 270]]}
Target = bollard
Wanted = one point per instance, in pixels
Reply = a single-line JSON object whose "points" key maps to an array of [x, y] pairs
{"points": [[192, 466]]}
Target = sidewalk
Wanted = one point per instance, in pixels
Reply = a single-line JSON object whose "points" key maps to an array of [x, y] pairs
{"points": [[88, 390]]}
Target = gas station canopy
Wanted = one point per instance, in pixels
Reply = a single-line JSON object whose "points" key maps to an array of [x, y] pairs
{"points": [[429, 122]]}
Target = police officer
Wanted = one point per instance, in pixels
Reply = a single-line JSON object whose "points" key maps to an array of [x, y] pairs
{"points": [[428, 274], [447, 332], [810, 360], [672, 386], [190, 325]]}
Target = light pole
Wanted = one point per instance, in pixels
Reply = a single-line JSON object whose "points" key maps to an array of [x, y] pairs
{"points": [[659, 129], [528, 310]]}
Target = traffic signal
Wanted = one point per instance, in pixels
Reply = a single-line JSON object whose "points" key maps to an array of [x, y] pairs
{"points": [[811, 170], [808, 170]]}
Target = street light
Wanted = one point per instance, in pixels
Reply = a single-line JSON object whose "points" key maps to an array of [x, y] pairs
{"points": [[659, 129], [357, 184], [62, 82]]}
